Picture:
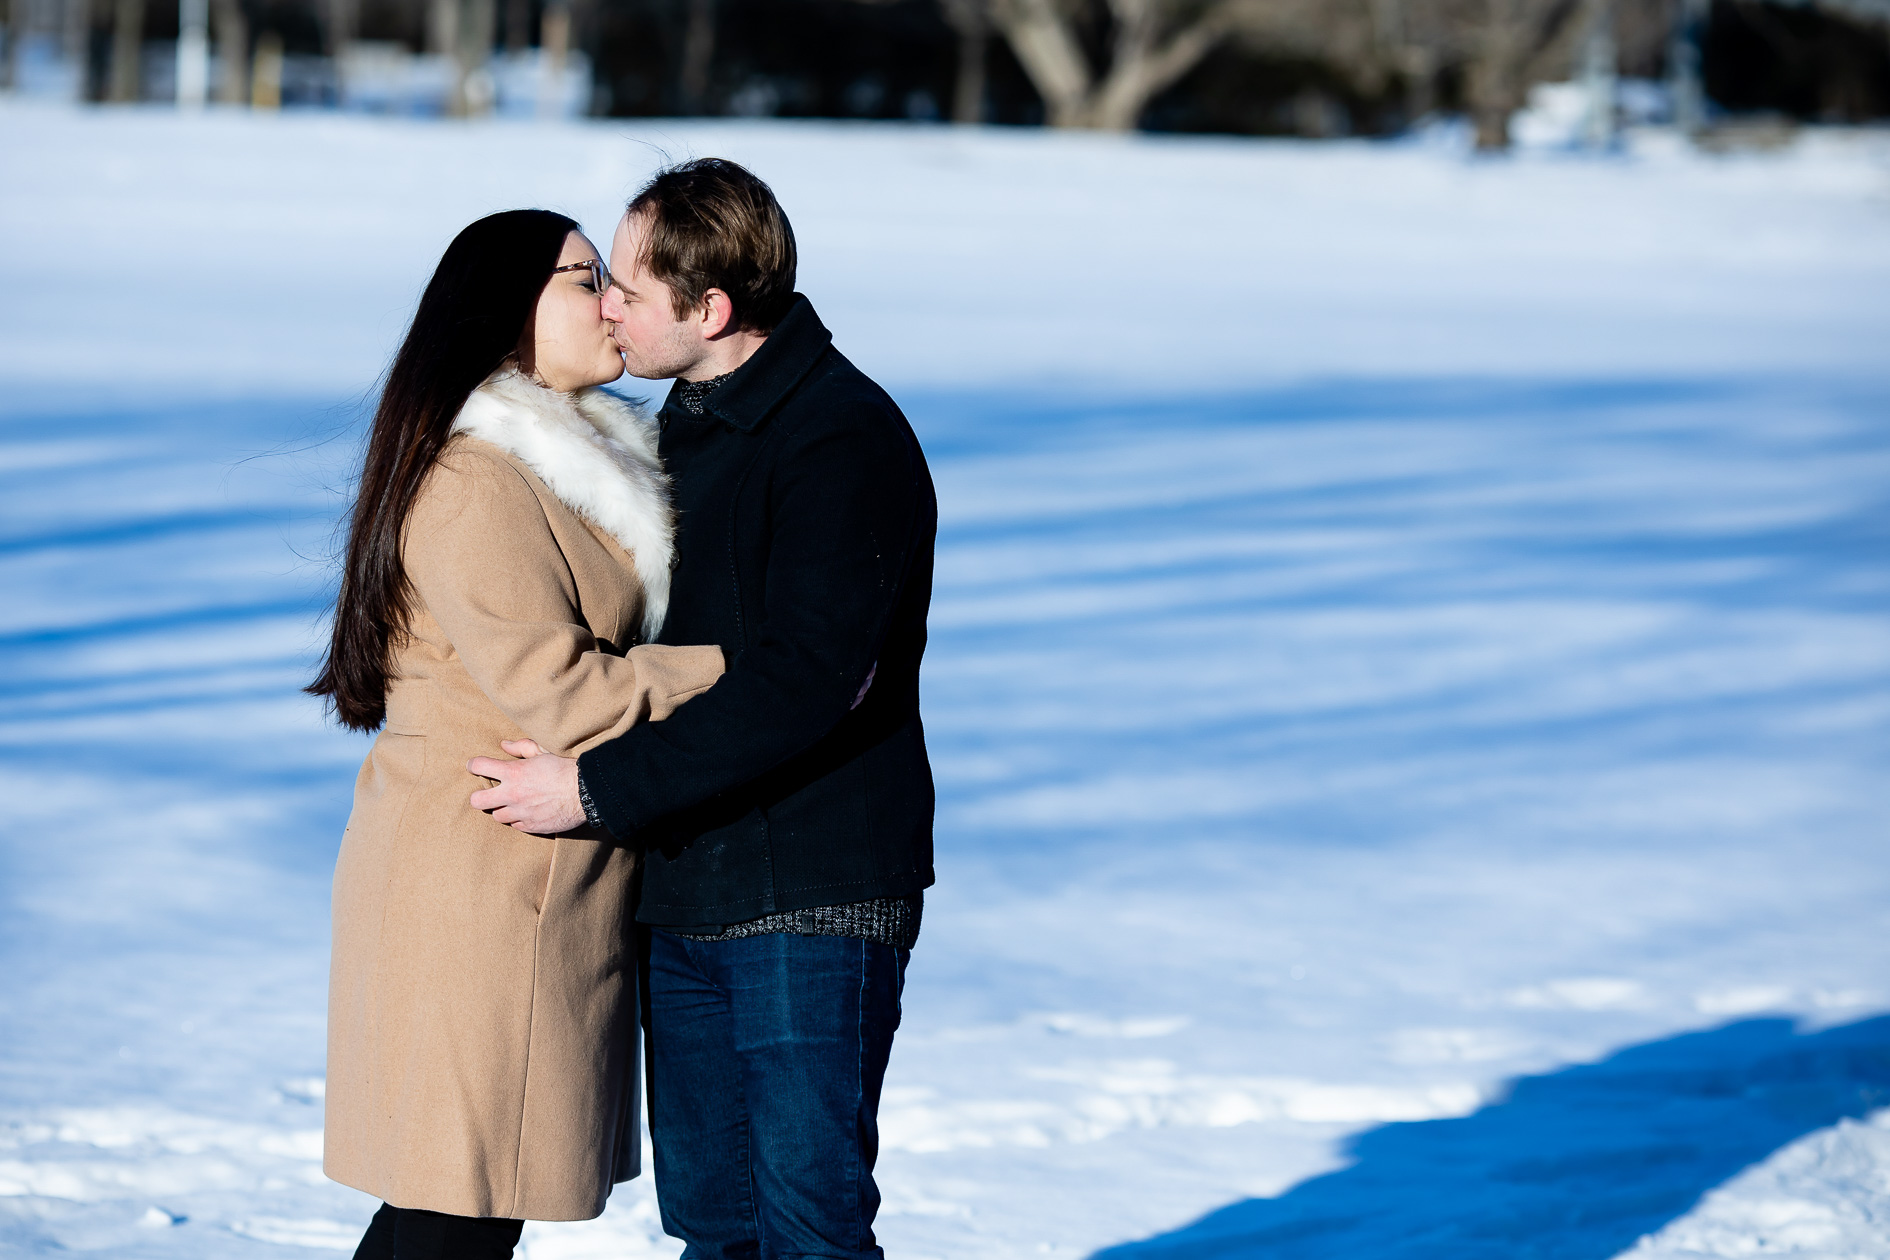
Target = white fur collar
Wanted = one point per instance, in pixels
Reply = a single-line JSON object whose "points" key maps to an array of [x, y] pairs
{"points": [[597, 453]]}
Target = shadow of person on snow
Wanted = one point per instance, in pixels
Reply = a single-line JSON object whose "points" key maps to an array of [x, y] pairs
{"points": [[1575, 1165]]}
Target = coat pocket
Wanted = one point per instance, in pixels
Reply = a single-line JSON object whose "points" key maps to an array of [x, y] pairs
{"points": [[551, 873]]}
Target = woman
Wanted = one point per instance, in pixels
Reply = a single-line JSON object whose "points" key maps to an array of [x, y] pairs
{"points": [[510, 538]]}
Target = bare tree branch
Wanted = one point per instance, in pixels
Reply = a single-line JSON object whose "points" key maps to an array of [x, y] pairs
{"points": [[1144, 57], [1047, 48], [1134, 81]]}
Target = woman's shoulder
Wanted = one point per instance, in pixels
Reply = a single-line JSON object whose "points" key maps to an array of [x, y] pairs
{"points": [[467, 459], [472, 476]]}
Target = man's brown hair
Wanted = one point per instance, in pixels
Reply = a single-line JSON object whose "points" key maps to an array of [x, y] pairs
{"points": [[711, 224]]}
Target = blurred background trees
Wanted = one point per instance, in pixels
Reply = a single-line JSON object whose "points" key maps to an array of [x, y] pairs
{"points": [[1567, 70]]}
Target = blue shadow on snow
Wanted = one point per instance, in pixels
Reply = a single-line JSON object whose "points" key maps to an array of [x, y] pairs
{"points": [[1575, 1165]]}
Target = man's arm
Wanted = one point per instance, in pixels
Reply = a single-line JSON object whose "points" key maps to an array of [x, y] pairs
{"points": [[542, 793], [845, 506]]}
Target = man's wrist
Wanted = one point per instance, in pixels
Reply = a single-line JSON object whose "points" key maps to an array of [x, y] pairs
{"points": [[590, 806]]}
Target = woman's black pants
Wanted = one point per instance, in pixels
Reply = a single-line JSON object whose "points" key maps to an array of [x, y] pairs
{"points": [[411, 1234]]}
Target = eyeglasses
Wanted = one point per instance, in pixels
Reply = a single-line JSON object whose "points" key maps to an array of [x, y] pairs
{"points": [[600, 274]]}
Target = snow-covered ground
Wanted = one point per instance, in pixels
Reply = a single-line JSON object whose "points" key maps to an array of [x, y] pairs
{"points": [[1410, 685]]}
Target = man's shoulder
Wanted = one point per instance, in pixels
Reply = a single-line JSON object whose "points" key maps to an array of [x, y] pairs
{"points": [[837, 396]]}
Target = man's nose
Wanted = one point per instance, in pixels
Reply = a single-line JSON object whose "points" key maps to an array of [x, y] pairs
{"points": [[613, 304]]}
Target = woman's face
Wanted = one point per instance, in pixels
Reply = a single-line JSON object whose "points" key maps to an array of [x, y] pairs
{"points": [[571, 342]]}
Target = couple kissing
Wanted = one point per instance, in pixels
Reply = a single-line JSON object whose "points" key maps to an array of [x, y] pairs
{"points": [[695, 637]]}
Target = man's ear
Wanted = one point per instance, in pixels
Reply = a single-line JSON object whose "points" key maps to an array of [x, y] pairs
{"points": [[718, 314]]}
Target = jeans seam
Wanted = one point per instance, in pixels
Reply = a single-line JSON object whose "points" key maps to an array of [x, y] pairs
{"points": [[748, 1164], [859, 1102], [700, 960], [699, 955]]}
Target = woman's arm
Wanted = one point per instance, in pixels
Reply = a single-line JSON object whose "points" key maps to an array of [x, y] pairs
{"points": [[482, 559]]}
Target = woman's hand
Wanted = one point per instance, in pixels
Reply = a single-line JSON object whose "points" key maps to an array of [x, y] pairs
{"points": [[536, 793]]}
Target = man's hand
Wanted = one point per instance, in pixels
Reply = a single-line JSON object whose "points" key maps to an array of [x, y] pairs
{"points": [[537, 793]]}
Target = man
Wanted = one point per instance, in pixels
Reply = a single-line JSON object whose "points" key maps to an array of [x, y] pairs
{"points": [[785, 816]]}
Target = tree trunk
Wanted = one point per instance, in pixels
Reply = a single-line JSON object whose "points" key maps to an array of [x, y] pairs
{"points": [[340, 25], [232, 35], [77, 37], [968, 19], [698, 53], [341, 17], [16, 34], [442, 27], [1049, 52], [1600, 74], [1491, 86], [465, 31], [554, 45], [265, 73], [1683, 67], [479, 29], [443, 41], [1418, 68], [968, 89], [127, 50], [193, 53]]}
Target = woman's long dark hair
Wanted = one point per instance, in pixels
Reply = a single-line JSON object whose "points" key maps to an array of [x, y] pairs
{"points": [[475, 314]]}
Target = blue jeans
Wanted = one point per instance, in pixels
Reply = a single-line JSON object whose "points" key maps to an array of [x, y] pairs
{"points": [[766, 1057]]}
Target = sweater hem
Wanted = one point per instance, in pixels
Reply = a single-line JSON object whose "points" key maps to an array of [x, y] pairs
{"points": [[811, 897]]}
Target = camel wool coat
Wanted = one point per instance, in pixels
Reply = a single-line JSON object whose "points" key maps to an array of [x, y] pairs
{"points": [[482, 1017]]}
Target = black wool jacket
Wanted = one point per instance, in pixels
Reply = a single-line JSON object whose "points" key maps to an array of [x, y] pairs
{"points": [[806, 524]]}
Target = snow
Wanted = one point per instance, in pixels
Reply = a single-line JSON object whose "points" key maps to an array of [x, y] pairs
{"points": [[1409, 688], [1823, 1195]]}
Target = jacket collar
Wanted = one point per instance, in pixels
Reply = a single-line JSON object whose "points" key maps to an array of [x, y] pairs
{"points": [[771, 373], [597, 454]]}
